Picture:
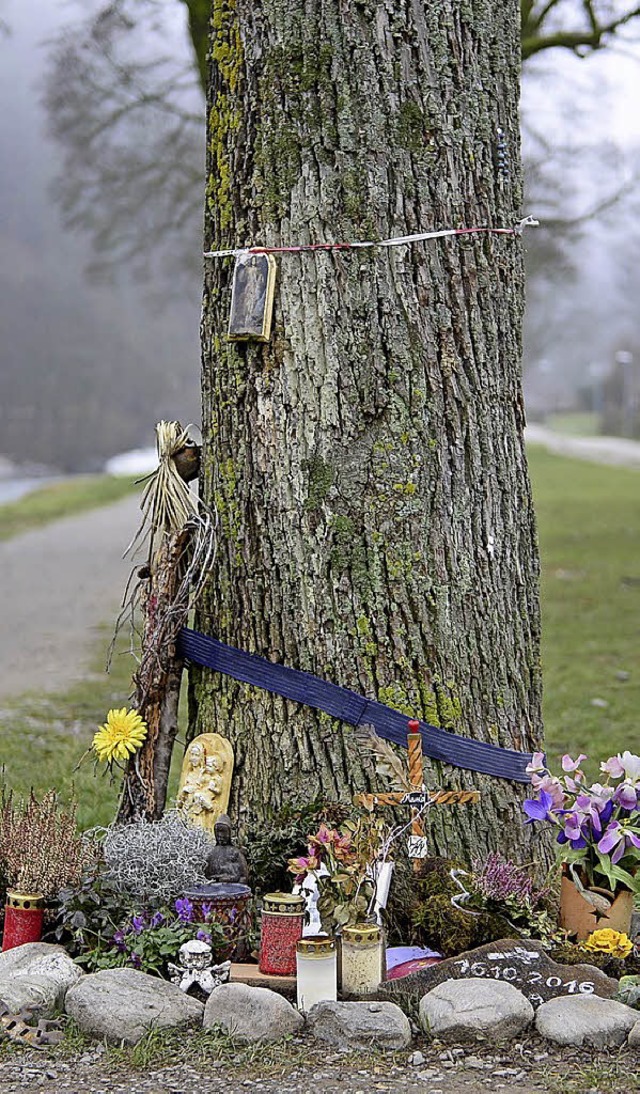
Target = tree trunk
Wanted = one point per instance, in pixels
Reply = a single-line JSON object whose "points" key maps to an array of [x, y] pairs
{"points": [[368, 464]]}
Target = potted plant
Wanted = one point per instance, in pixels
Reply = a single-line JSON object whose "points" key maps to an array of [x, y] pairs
{"points": [[598, 838], [41, 851]]}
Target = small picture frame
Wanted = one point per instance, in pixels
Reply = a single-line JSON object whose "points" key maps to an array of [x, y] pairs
{"points": [[252, 293]]}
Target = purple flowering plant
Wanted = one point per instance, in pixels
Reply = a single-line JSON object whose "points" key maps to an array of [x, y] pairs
{"points": [[598, 826], [149, 940]]}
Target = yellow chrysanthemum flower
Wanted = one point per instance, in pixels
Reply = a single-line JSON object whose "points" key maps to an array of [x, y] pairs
{"points": [[120, 736], [609, 941]]}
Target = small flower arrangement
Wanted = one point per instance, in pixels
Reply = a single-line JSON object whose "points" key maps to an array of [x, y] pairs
{"points": [[122, 734], [148, 941], [598, 826], [607, 941], [342, 861]]}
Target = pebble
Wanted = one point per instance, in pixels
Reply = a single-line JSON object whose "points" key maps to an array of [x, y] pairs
{"points": [[475, 1062], [416, 1059]]}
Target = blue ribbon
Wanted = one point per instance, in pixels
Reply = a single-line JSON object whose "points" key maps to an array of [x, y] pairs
{"points": [[347, 706]]}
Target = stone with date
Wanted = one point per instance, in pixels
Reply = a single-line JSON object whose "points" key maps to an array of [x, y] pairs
{"points": [[522, 963]]}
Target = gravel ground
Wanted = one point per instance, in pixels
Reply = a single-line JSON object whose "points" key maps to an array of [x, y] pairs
{"points": [[59, 583], [525, 1067]]}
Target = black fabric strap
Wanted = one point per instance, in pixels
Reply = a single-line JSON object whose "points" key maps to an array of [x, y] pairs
{"points": [[302, 687]]}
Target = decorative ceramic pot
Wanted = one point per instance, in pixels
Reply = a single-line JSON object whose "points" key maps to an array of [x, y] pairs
{"points": [[229, 905], [281, 930], [23, 917], [580, 917]]}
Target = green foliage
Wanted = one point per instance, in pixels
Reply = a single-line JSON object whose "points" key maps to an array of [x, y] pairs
{"points": [[90, 912], [282, 835], [151, 943], [62, 499]]}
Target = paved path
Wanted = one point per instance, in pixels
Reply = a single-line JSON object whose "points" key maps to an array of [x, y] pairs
{"points": [[59, 583], [62, 581], [617, 451]]}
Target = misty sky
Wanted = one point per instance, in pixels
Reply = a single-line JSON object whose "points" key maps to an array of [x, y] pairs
{"points": [[59, 332], [86, 370]]}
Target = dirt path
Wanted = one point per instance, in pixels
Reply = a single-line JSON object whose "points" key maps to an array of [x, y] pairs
{"points": [[616, 451], [59, 583]]}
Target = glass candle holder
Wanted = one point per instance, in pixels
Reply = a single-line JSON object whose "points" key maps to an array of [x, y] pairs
{"points": [[317, 970], [280, 931], [362, 958]]}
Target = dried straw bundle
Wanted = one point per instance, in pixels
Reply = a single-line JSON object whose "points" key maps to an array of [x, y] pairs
{"points": [[167, 503]]}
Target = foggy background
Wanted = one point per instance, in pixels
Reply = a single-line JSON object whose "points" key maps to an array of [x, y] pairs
{"points": [[101, 196]]}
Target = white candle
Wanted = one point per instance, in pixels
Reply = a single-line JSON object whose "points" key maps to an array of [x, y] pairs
{"points": [[316, 966]]}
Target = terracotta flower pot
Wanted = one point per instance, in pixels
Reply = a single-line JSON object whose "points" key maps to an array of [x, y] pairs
{"points": [[23, 917], [580, 918]]}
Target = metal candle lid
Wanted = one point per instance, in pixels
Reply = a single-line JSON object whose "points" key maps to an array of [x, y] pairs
{"points": [[283, 903], [18, 899], [316, 945], [362, 934]]}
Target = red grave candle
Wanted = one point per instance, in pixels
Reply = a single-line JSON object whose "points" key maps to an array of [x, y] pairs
{"points": [[282, 919], [23, 916]]}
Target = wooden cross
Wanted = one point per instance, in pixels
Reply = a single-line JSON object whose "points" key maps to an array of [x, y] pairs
{"points": [[418, 797]]}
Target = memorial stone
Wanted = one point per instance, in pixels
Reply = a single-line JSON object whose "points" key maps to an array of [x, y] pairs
{"points": [[523, 963]]}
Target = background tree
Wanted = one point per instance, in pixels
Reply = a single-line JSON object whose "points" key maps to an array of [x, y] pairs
{"points": [[368, 465]]}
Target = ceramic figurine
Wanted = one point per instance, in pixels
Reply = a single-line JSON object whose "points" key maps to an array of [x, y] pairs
{"points": [[195, 968], [226, 863], [205, 781]]}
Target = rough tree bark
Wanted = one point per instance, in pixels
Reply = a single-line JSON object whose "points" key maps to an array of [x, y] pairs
{"points": [[368, 464]]}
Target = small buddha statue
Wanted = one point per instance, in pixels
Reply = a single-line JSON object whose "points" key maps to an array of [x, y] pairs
{"points": [[225, 862]]}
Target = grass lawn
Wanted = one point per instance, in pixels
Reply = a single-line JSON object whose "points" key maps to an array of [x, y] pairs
{"points": [[61, 499], [42, 738], [576, 424], [589, 529]]}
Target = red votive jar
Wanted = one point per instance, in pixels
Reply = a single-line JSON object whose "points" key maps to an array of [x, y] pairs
{"points": [[23, 916], [281, 929]]}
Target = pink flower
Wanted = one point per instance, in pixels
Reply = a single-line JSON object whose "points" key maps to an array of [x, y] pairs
{"points": [[552, 786], [537, 763], [626, 764], [572, 765], [613, 766], [324, 836], [303, 864]]}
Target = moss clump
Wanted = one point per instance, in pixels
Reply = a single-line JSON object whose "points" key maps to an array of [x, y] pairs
{"points": [[420, 911], [224, 115], [321, 477], [411, 127]]}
